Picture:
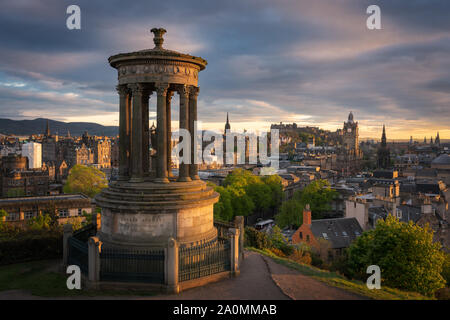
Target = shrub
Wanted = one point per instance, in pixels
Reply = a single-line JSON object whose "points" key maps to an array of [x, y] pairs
{"points": [[446, 269], [301, 256], [256, 239], [278, 252], [31, 246], [316, 261], [280, 242], [405, 252]]}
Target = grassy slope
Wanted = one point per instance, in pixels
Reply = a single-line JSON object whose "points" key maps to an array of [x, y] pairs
{"points": [[333, 279], [40, 278]]}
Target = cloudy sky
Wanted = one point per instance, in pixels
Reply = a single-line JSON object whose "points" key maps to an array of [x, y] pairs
{"points": [[309, 62]]}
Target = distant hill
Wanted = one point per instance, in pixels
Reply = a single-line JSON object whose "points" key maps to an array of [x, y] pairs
{"points": [[36, 126]]}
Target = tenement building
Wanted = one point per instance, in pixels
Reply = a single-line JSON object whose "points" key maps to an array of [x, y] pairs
{"points": [[16, 179], [65, 206]]}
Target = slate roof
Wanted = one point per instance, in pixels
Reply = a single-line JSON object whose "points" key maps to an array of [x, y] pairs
{"points": [[442, 159], [339, 231], [410, 213], [384, 174], [428, 187]]}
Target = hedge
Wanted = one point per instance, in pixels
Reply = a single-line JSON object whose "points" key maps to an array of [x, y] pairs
{"points": [[31, 247]]}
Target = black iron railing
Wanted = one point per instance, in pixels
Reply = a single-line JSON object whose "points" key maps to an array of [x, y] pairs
{"points": [[222, 228], [86, 232], [132, 265], [78, 254], [204, 260]]}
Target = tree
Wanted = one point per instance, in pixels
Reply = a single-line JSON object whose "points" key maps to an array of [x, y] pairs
{"points": [[405, 252], [87, 180], [276, 189], [223, 209], [317, 194], [3, 214], [290, 214], [244, 193]]}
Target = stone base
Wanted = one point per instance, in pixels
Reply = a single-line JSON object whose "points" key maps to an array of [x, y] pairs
{"points": [[146, 215]]}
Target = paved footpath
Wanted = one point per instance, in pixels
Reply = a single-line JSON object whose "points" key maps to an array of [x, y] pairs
{"points": [[260, 279]]}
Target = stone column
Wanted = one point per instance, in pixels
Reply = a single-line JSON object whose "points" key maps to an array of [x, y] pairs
{"points": [[169, 133], [67, 233], [184, 124], [94, 248], [172, 266], [161, 116], [123, 132], [137, 134], [193, 168], [146, 132]]}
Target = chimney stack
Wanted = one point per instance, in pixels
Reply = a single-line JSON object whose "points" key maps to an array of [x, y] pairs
{"points": [[307, 215]]}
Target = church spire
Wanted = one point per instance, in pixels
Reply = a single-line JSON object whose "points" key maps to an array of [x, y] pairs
{"points": [[227, 125], [383, 137]]}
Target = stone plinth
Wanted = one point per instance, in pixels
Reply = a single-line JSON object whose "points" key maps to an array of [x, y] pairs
{"points": [[147, 214]]}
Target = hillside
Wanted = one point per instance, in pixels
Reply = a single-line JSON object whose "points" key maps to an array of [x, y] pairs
{"points": [[36, 126]]}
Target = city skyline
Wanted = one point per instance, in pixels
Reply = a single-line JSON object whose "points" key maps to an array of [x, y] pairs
{"points": [[308, 64]]}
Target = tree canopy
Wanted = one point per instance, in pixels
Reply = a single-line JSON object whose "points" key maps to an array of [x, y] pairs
{"points": [[317, 194], [244, 193], [405, 252], [87, 180]]}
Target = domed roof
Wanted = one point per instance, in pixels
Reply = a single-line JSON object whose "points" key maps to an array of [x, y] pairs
{"points": [[158, 53], [442, 159]]}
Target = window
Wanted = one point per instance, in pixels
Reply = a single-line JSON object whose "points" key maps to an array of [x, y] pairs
{"points": [[325, 236], [12, 216], [307, 238], [344, 233], [63, 213], [301, 235], [28, 215]]}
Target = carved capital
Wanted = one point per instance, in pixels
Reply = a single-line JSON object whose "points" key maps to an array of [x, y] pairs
{"points": [[122, 90], [138, 88], [194, 91], [161, 88], [183, 91]]}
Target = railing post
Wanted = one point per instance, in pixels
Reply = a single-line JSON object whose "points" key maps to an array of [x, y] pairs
{"points": [[97, 221], [234, 251], [67, 233], [172, 266], [239, 222], [94, 248]]}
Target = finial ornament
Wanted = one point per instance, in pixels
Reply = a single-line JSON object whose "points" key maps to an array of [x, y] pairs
{"points": [[158, 38]]}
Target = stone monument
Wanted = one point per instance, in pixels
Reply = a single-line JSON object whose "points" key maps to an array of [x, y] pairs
{"points": [[145, 208]]}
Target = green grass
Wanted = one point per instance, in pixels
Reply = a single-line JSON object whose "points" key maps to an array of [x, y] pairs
{"points": [[41, 278], [339, 281]]}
